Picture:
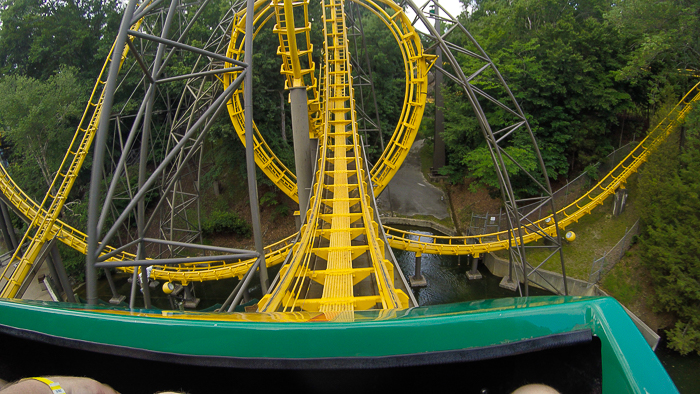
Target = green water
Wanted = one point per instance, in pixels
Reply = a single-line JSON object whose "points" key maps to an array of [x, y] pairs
{"points": [[447, 280], [684, 370]]}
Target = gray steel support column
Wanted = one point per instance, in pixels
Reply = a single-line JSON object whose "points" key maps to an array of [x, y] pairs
{"points": [[143, 163], [99, 152], [419, 259], [54, 274], [439, 144], [116, 298], [620, 200], [302, 145], [210, 114], [62, 275], [249, 154], [474, 273], [245, 282], [134, 281], [417, 280], [8, 222]]}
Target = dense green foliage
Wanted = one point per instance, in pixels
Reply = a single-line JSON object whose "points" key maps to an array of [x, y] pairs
{"points": [[670, 246], [39, 36], [220, 222], [37, 119], [569, 65]]}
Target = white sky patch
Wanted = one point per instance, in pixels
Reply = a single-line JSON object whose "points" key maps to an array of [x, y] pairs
{"points": [[454, 7]]}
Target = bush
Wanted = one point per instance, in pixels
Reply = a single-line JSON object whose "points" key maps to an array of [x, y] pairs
{"points": [[221, 222], [281, 211]]}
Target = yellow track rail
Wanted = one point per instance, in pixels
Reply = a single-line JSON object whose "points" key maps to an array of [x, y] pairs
{"points": [[297, 62], [40, 229], [399, 239], [48, 226], [416, 66], [276, 253], [340, 253], [479, 244], [214, 270]]}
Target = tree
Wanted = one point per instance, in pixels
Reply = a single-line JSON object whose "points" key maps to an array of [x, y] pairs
{"points": [[558, 58], [666, 43], [670, 215], [38, 119], [38, 36]]}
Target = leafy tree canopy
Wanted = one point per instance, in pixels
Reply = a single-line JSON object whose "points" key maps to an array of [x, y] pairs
{"points": [[37, 118], [670, 246], [559, 59], [38, 36]]}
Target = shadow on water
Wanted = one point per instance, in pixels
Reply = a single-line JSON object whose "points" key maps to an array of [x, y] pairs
{"points": [[684, 370]]}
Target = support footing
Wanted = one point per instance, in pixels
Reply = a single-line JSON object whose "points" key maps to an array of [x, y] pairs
{"points": [[418, 281], [474, 276], [191, 303], [508, 283], [117, 300]]}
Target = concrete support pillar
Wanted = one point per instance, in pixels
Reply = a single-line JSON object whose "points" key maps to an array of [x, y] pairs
{"points": [[507, 282], [417, 280], [190, 300], [302, 145], [620, 200], [474, 273]]}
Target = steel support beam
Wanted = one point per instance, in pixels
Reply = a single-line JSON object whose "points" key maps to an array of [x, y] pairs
{"points": [[302, 145], [99, 151], [250, 159]]}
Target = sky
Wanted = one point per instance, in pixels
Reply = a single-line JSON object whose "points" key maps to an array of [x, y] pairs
{"points": [[453, 6]]}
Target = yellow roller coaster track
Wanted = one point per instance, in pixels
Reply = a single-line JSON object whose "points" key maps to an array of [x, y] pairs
{"points": [[416, 66], [41, 228], [276, 253], [479, 244], [45, 225], [338, 266], [214, 270]]}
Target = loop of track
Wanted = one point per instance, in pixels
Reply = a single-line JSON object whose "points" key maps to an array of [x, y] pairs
{"points": [[416, 65], [474, 245]]}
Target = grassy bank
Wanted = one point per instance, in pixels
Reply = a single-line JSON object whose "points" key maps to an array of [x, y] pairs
{"points": [[596, 234]]}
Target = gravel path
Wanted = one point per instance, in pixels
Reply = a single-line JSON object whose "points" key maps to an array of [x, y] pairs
{"points": [[409, 193]]}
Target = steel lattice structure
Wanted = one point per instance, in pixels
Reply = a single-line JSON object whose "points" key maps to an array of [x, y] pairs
{"points": [[132, 110]]}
